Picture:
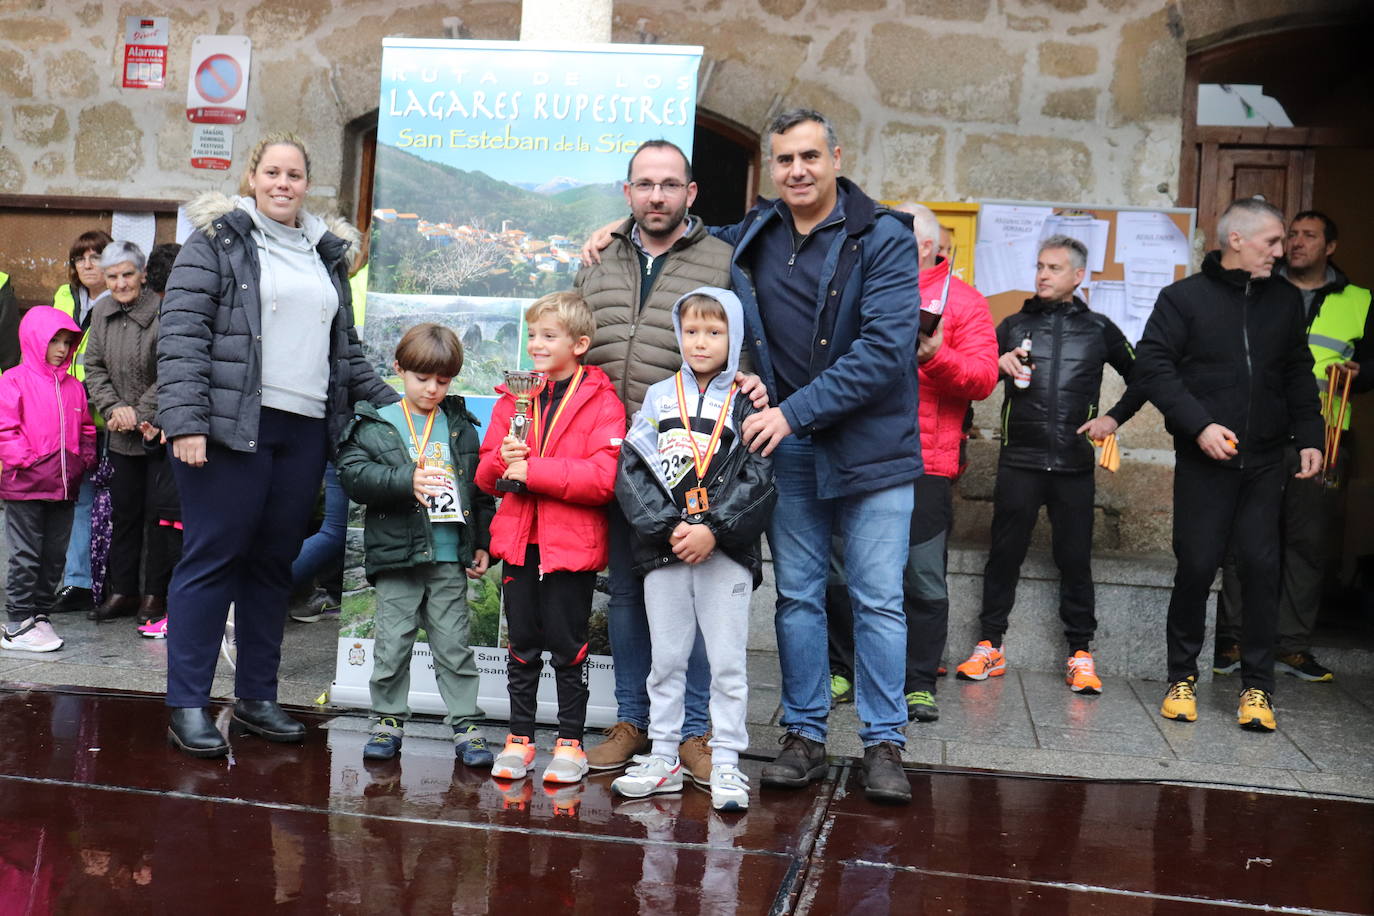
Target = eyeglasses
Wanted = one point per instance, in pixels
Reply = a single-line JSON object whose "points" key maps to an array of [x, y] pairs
{"points": [[88, 260], [670, 188]]}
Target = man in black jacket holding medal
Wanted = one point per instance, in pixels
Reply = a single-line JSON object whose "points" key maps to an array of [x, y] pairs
{"points": [[1225, 358]]}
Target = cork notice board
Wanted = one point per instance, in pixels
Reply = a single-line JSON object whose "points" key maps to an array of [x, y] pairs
{"points": [[1005, 303]]}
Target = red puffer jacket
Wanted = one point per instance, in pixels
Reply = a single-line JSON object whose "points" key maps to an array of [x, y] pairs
{"points": [[569, 485], [964, 369]]}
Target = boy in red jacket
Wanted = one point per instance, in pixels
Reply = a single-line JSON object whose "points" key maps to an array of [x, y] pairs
{"points": [[552, 534]]}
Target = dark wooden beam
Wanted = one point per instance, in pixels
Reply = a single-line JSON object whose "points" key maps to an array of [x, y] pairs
{"points": [[87, 204]]}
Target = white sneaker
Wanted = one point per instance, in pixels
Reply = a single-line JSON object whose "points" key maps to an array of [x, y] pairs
{"points": [[729, 788], [649, 776], [33, 635]]}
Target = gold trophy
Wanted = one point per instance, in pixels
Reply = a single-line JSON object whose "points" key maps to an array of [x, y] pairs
{"points": [[525, 386]]}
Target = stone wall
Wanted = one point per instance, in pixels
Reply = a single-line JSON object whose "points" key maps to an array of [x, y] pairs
{"points": [[934, 99], [1075, 100]]}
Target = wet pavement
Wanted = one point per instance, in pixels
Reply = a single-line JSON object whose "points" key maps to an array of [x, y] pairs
{"points": [[1027, 721], [98, 815]]}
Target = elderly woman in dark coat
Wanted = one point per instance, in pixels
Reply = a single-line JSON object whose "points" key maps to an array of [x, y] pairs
{"points": [[121, 381], [258, 369]]}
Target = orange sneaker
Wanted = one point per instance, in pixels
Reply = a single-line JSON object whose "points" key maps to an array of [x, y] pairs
{"points": [[515, 796], [569, 762], [985, 662], [515, 759], [1080, 674]]}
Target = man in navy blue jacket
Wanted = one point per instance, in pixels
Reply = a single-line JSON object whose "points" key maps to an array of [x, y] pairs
{"points": [[828, 281]]}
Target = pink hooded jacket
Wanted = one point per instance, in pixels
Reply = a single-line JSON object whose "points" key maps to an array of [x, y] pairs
{"points": [[47, 439]]}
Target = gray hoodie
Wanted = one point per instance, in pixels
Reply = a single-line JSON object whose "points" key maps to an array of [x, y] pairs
{"points": [[298, 306]]}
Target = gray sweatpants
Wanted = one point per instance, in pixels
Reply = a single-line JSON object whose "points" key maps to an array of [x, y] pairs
{"points": [[37, 531], [713, 595]]}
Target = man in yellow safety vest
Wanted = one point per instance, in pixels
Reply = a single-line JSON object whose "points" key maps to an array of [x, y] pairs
{"points": [[1340, 329]]}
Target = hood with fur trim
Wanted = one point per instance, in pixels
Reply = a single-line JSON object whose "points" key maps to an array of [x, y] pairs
{"points": [[204, 209]]}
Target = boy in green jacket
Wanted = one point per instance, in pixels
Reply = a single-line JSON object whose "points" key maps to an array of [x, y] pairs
{"points": [[412, 465]]}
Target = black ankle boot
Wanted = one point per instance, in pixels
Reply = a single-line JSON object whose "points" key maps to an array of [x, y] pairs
{"points": [[265, 718], [114, 606], [193, 731]]}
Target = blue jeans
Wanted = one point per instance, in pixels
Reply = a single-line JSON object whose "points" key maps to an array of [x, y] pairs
{"points": [[78, 569], [874, 528], [628, 624], [325, 546]]}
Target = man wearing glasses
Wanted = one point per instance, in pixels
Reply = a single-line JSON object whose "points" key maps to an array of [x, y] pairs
{"points": [[656, 256]]}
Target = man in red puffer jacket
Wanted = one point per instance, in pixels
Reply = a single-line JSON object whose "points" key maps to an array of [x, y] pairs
{"points": [[957, 365]]}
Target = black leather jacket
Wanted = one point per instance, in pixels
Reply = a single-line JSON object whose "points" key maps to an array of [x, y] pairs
{"points": [[1069, 346], [742, 496]]}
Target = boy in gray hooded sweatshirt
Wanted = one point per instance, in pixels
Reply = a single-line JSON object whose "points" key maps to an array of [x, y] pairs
{"points": [[698, 500]]}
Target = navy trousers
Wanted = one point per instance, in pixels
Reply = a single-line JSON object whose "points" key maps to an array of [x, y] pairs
{"points": [[246, 515]]}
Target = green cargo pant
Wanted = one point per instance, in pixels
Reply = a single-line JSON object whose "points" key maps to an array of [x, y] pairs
{"points": [[432, 596]]}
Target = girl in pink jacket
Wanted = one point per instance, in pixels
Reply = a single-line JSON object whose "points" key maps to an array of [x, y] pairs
{"points": [[47, 441]]}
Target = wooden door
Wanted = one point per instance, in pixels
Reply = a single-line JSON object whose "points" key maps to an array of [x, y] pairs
{"points": [[1281, 176]]}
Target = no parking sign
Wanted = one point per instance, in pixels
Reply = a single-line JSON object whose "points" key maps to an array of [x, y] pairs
{"points": [[217, 91]]}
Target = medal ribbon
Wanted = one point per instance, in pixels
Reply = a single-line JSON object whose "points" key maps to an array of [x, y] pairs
{"points": [[420, 444], [700, 462], [547, 434]]}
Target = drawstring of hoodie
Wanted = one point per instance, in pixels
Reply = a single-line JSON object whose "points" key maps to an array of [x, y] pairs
{"points": [[264, 239]]}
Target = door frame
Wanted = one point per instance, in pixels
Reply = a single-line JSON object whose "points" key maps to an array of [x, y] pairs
{"points": [[1201, 143]]}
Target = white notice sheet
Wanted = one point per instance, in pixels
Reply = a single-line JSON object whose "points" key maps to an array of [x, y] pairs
{"points": [[1007, 223], [1004, 266], [1144, 279], [1149, 234], [138, 228]]}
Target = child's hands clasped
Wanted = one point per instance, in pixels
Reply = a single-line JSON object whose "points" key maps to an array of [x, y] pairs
{"points": [[692, 543], [426, 482]]}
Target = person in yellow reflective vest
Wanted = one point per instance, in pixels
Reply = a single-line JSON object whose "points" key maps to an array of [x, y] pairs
{"points": [[86, 284], [1340, 329], [9, 324]]}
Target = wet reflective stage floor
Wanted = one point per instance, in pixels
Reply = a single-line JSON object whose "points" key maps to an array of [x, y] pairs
{"points": [[99, 815]]}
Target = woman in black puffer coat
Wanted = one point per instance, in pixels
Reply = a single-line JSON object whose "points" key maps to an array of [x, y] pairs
{"points": [[258, 368]]}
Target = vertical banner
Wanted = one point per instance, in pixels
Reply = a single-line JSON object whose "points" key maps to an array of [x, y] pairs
{"points": [[495, 161]]}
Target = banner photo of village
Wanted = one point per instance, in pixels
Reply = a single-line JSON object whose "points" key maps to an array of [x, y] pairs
{"points": [[495, 161]]}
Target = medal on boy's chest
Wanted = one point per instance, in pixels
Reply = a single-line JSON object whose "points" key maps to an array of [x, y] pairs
{"points": [[696, 499]]}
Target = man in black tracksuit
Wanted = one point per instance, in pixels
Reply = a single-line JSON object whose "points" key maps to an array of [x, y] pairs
{"points": [[1225, 358], [1047, 456]]}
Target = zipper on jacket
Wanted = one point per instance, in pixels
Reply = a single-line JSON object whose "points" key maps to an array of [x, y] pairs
{"points": [[796, 248], [636, 311], [1053, 411], [61, 432], [1249, 369]]}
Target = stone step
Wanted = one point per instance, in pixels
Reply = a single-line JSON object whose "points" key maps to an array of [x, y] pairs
{"points": [[1132, 593], [1132, 603]]}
